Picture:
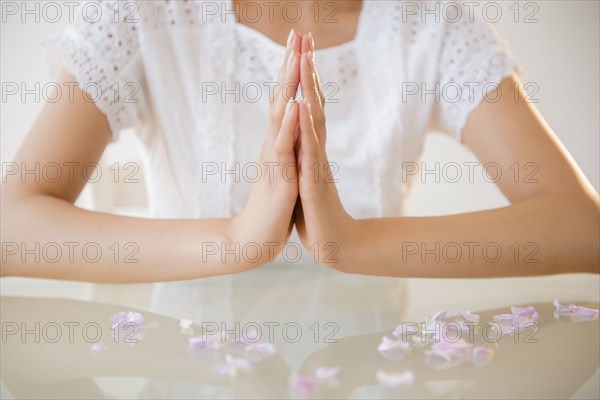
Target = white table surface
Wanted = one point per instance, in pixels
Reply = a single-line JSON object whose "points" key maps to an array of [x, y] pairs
{"points": [[562, 364]]}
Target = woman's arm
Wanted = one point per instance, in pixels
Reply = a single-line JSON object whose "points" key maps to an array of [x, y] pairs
{"points": [[39, 218], [551, 227], [37, 214]]}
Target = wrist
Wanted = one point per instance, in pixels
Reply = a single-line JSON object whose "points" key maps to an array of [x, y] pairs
{"points": [[251, 248], [349, 247]]}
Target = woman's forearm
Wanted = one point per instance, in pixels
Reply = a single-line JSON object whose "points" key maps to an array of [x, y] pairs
{"points": [[46, 237], [555, 233]]}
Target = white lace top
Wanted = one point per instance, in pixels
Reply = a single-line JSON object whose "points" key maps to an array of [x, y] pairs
{"points": [[156, 76], [159, 63]]}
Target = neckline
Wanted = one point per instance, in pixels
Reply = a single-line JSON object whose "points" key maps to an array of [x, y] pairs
{"points": [[336, 48]]}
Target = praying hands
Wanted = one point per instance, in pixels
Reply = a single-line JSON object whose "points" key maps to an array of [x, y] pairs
{"points": [[306, 194]]}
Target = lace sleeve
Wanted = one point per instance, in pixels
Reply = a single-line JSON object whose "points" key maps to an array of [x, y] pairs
{"points": [[473, 61], [100, 49]]}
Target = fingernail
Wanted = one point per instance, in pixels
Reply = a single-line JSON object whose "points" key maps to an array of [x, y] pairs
{"points": [[291, 59], [311, 41], [288, 108], [290, 37]]}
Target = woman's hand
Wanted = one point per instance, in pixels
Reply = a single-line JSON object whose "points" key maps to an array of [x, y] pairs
{"points": [[266, 221], [323, 225]]}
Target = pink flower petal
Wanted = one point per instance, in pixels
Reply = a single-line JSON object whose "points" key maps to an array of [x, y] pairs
{"points": [[481, 356], [446, 354], [559, 307], [585, 312], [522, 317], [504, 319], [468, 316], [439, 316], [302, 386], [577, 313], [575, 318], [393, 349], [405, 329], [392, 380], [527, 312], [129, 327], [125, 319], [459, 346], [252, 335], [326, 373], [122, 318], [203, 342], [460, 326]]}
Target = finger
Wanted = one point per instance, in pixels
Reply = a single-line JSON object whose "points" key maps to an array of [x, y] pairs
{"points": [[308, 43], [320, 88], [293, 36], [311, 93], [285, 142], [287, 86], [308, 136], [308, 82]]}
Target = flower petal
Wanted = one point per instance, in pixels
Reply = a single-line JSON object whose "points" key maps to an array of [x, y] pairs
{"points": [[326, 373], [203, 342], [393, 349], [468, 316], [439, 316], [186, 326], [481, 356], [302, 386], [395, 380], [576, 313], [405, 329], [504, 319], [446, 354]]}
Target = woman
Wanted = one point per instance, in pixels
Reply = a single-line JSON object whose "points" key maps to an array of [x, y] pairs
{"points": [[172, 71]]}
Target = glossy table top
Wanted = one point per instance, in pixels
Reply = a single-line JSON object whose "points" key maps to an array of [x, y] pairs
{"points": [[65, 348]]}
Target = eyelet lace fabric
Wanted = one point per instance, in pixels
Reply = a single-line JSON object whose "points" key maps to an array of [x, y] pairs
{"points": [[259, 60], [98, 49], [475, 59]]}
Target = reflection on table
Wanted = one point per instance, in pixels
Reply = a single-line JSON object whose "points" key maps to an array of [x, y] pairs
{"points": [[56, 348]]}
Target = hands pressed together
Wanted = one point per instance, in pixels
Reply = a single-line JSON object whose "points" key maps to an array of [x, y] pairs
{"points": [[300, 190]]}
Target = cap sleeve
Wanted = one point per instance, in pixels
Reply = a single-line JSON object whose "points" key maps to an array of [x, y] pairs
{"points": [[472, 63], [100, 49]]}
